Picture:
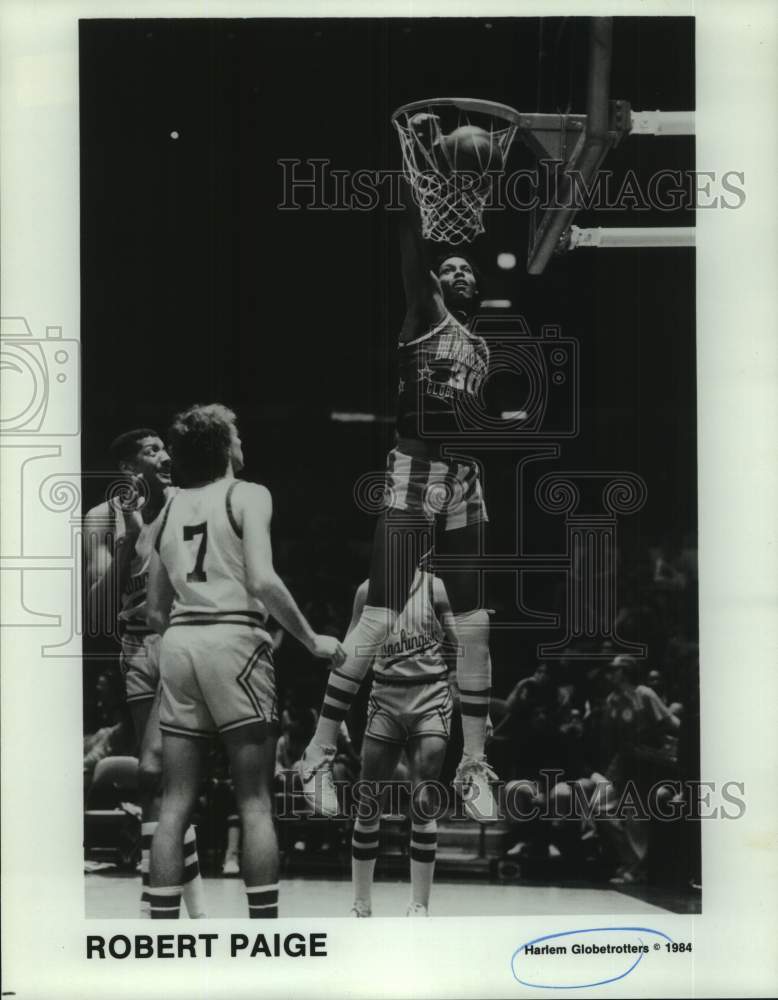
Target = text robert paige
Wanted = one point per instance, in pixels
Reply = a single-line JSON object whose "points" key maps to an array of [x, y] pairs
{"points": [[202, 945]]}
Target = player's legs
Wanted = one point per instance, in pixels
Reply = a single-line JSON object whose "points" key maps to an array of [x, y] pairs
{"points": [[401, 540], [379, 761], [150, 778], [426, 755], [474, 667], [149, 756], [139, 662], [149, 784], [252, 757], [181, 765]]}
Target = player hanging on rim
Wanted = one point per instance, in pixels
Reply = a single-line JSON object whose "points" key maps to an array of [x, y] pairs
{"points": [[429, 496], [211, 586], [410, 708], [119, 541]]}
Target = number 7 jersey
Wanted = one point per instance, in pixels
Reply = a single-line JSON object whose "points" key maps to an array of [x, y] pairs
{"points": [[201, 546]]}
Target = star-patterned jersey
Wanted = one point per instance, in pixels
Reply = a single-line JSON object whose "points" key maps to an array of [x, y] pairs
{"points": [[413, 647], [438, 371], [201, 546]]}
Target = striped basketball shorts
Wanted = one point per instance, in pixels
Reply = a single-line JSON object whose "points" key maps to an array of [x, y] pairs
{"points": [[216, 679], [447, 493], [399, 711], [139, 662]]}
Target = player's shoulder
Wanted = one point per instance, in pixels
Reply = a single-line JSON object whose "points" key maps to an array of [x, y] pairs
{"points": [[439, 593], [101, 515], [246, 493]]}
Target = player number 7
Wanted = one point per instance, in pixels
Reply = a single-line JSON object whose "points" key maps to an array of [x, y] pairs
{"points": [[198, 574]]}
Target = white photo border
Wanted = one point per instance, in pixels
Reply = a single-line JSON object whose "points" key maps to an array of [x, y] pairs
{"points": [[44, 928]]}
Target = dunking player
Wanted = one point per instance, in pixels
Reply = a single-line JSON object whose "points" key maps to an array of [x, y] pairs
{"points": [[442, 366], [211, 585], [410, 707], [118, 542]]}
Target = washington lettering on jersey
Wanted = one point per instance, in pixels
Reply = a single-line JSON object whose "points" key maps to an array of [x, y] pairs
{"points": [[408, 643], [201, 547], [414, 647]]}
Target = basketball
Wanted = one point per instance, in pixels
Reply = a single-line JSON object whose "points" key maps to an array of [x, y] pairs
{"points": [[471, 149]]}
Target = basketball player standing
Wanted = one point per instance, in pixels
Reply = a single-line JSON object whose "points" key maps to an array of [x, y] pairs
{"points": [[118, 541], [211, 586], [410, 709]]}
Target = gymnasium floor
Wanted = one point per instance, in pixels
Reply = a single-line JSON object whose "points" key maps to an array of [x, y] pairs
{"points": [[116, 896]]}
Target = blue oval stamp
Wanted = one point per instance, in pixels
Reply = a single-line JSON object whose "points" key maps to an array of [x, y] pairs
{"points": [[591, 956]]}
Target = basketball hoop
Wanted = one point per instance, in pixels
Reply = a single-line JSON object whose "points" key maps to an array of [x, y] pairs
{"points": [[451, 147]]}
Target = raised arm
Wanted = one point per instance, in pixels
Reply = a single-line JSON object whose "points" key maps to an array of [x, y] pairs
{"points": [[159, 594], [423, 297], [359, 603], [108, 561], [445, 616], [253, 508]]}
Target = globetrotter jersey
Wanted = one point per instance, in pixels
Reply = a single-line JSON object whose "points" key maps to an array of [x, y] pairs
{"points": [[201, 547], [438, 371], [132, 617], [412, 649]]}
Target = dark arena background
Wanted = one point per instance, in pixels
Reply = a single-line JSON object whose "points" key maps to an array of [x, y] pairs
{"points": [[197, 287]]}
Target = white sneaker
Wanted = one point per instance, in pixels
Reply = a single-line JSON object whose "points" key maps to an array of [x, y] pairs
{"points": [[472, 783], [417, 910], [315, 771], [361, 909]]}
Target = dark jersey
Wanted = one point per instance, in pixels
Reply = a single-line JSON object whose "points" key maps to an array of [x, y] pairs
{"points": [[439, 371]]}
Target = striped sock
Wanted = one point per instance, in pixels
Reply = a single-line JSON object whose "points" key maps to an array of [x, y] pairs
{"points": [[474, 679], [424, 841], [361, 645], [475, 708], [364, 853], [263, 901], [340, 692], [194, 893], [146, 835], [165, 902]]}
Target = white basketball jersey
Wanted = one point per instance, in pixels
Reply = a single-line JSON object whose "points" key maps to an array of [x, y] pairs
{"points": [[413, 647], [201, 548], [133, 598]]}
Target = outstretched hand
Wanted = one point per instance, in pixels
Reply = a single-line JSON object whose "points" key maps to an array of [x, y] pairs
{"points": [[426, 127], [130, 505], [327, 647]]}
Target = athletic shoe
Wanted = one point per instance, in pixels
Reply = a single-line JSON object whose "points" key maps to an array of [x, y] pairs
{"points": [[315, 771], [472, 783], [231, 866], [361, 909], [417, 910]]}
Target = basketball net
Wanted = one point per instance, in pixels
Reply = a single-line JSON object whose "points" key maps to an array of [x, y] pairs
{"points": [[451, 201]]}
